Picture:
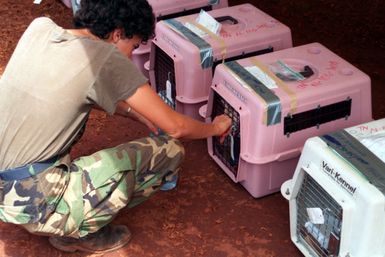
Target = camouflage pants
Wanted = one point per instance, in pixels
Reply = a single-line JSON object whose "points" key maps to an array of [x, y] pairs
{"points": [[103, 183]]}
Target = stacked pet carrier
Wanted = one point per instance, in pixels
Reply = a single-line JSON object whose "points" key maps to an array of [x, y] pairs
{"points": [[184, 53], [336, 196], [277, 101], [166, 9]]}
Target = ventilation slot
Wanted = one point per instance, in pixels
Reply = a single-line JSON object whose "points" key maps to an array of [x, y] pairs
{"points": [[317, 116], [228, 151], [165, 77], [321, 236]]}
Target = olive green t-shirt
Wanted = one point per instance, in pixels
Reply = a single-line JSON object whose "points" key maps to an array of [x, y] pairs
{"points": [[49, 86]]}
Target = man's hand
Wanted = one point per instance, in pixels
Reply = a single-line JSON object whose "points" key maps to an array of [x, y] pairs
{"points": [[223, 125]]}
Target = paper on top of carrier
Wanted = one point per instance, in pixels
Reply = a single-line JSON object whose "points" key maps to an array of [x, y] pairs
{"points": [[262, 77], [372, 136], [315, 215], [273, 108], [365, 161], [205, 50], [195, 29], [376, 145], [207, 21], [37, 1]]}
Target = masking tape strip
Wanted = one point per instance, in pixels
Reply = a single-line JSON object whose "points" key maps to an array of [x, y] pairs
{"points": [[272, 103], [366, 163], [221, 41], [280, 84], [206, 52]]}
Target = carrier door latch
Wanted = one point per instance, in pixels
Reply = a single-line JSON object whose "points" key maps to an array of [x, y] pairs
{"points": [[333, 247]]}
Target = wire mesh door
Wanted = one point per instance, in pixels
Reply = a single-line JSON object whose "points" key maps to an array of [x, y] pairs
{"points": [[319, 219], [165, 77], [228, 151]]}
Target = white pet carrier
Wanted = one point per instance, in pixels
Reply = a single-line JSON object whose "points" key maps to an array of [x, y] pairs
{"points": [[336, 196]]}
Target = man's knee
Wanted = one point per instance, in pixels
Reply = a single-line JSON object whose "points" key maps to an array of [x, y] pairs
{"points": [[176, 148], [171, 149]]}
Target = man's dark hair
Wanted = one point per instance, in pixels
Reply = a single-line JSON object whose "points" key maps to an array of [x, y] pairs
{"points": [[102, 17]]}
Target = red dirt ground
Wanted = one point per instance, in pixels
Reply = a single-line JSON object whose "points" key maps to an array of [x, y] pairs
{"points": [[209, 215]]}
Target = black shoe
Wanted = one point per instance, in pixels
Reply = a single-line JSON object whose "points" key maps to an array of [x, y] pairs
{"points": [[109, 238]]}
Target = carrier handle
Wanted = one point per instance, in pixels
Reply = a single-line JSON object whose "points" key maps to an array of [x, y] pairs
{"points": [[307, 71], [226, 18]]}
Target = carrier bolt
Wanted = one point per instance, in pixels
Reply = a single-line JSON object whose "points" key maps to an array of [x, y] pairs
{"points": [[287, 134], [287, 191]]}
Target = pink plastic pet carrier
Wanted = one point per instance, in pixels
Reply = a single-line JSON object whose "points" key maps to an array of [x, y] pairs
{"points": [[277, 101], [168, 9], [182, 62]]}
